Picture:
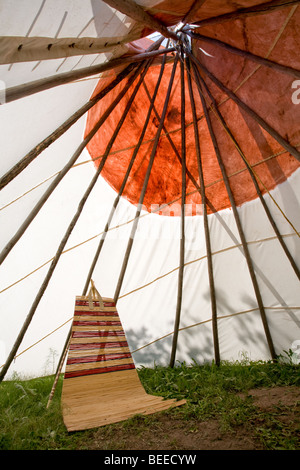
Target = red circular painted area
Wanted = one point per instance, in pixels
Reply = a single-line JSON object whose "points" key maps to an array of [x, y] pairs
{"points": [[271, 163]]}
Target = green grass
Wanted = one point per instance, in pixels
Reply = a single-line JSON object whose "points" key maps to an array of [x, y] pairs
{"points": [[211, 392], [214, 391]]}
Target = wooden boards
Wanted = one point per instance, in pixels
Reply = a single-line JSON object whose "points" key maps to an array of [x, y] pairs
{"points": [[101, 384]]}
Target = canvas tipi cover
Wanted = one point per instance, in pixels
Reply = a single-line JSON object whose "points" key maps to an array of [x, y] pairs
{"points": [[152, 145]]}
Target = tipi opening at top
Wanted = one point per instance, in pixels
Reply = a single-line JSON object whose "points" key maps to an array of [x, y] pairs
{"points": [[163, 167]]}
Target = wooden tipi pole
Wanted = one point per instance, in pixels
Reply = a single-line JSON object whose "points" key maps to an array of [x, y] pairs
{"points": [[247, 55], [30, 88], [273, 133], [183, 199], [135, 152], [238, 223], [136, 11], [254, 10], [192, 11], [143, 192], [205, 222], [253, 177]]}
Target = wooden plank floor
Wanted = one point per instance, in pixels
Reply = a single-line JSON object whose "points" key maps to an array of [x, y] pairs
{"points": [[101, 385]]}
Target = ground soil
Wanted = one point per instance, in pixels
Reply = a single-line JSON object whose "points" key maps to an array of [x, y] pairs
{"points": [[166, 431]]}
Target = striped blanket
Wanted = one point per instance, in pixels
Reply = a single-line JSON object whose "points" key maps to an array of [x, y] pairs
{"points": [[98, 343]]}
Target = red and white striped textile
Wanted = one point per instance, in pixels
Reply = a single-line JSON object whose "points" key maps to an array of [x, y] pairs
{"points": [[98, 343]]}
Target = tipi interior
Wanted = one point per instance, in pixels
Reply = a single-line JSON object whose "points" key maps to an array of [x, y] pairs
{"points": [[152, 148]]}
